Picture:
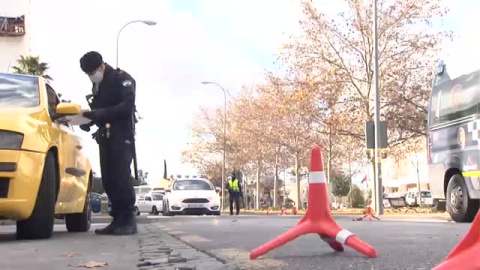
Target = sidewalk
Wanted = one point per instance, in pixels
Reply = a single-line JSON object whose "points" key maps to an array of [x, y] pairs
{"points": [[160, 250], [358, 212]]}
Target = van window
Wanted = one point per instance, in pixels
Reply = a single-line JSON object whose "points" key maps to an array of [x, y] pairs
{"points": [[426, 194], [455, 99]]}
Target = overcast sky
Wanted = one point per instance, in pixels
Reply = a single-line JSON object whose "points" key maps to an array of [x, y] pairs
{"points": [[226, 41]]}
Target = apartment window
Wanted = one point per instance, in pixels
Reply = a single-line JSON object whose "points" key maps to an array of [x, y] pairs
{"points": [[12, 26]]}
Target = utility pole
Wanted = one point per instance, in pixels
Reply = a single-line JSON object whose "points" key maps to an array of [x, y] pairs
{"points": [[378, 171]]}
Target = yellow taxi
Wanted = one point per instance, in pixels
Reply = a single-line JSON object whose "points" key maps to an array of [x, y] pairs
{"points": [[43, 172]]}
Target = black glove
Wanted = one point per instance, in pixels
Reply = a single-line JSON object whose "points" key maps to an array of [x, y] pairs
{"points": [[90, 115], [85, 127]]}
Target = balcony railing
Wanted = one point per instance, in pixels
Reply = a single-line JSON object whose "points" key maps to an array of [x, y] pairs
{"points": [[12, 26]]}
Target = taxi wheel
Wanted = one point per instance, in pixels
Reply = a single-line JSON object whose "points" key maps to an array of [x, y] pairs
{"points": [[81, 222], [40, 224]]}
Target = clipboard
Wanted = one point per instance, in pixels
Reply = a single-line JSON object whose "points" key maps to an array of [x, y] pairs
{"points": [[77, 120]]}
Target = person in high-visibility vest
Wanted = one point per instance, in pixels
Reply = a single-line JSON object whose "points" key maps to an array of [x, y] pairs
{"points": [[235, 192]]}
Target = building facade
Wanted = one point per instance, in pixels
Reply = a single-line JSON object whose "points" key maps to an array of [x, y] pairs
{"points": [[405, 174], [14, 32]]}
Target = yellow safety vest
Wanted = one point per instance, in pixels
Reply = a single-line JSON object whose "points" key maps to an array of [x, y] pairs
{"points": [[233, 185]]}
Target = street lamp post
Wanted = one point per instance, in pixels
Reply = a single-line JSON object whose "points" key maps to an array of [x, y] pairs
{"points": [[135, 163], [378, 167], [135, 21], [224, 137]]}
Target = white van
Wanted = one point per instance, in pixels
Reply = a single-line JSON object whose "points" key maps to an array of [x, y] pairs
{"points": [[413, 198]]}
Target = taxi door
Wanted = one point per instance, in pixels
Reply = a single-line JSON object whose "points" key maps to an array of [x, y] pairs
{"points": [[66, 154]]}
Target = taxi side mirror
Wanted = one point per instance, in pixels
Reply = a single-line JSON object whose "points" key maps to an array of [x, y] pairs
{"points": [[64, 109], [217, 189]]}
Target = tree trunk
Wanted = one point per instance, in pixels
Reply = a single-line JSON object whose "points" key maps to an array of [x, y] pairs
{"points": [[329, 166], [350, 173], [257, 191], [418, 183], [275, 179], [297, 169], [284, 187]]}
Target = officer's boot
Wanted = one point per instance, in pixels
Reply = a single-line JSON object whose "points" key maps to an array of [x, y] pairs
{"points": [[128, 225], [110, 227]]}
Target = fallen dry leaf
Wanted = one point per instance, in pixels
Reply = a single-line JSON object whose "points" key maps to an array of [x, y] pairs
{"points": [[70, 255], [94, 264]]}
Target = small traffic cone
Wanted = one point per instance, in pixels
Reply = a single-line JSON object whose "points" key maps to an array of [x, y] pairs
{"points": [[465, 255], [282, 211], [268, 211], [369, 213], [294, 210], [318, 218]]}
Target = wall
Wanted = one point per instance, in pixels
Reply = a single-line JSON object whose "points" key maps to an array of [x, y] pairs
{"points": [[402, 175], [12, 47]]}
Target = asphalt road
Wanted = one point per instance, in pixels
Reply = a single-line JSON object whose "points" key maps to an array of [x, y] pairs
{"points": [[401, 244], [67, 250]]}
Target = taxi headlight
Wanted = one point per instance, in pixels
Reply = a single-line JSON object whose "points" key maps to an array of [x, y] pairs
{"points": [[10, 140]]}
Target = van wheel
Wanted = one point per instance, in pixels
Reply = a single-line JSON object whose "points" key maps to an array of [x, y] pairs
{"points": [[154, 211], [40, 223], [81, 222], [460, 207]]}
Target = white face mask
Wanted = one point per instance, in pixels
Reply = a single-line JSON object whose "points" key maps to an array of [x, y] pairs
{"points": [[97, 77]]}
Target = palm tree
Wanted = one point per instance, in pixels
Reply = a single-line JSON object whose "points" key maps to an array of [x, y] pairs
{"points": [[31, 65]]}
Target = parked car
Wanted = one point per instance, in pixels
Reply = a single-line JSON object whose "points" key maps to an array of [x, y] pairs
{"points": [[43, 171], [191, 196], [150, 203], [414, 198], [96, 202], [395, 200]]}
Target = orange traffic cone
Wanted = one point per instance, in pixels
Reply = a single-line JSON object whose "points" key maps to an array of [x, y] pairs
{"points": [[318, 218], [465, 255], [282, 211], [294, 210], [369, 213], [268, 211]]}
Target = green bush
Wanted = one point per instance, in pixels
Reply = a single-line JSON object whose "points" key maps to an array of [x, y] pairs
{"points": [[356, 196]]}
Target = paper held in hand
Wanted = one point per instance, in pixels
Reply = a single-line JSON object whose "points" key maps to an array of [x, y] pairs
{"points": [[77, 120]]}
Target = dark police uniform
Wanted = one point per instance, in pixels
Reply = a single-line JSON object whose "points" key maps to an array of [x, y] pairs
{"points": [[113, 105]]}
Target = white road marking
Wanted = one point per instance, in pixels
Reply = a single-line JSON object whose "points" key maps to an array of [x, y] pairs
{"points": [[194, 239], [418, 220]]}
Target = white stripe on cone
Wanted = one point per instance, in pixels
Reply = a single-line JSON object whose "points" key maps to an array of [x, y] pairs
{"points": [[316, 178], [342, 236]]}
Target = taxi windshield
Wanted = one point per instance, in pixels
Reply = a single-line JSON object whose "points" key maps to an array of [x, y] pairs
{"points": [[18, 91]]}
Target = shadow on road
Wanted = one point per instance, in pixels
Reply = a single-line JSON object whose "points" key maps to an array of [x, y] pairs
{"points": [[62, 235]]}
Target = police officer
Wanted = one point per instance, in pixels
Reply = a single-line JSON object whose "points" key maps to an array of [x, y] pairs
{"points": [[112, 111], [234, 193]]}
